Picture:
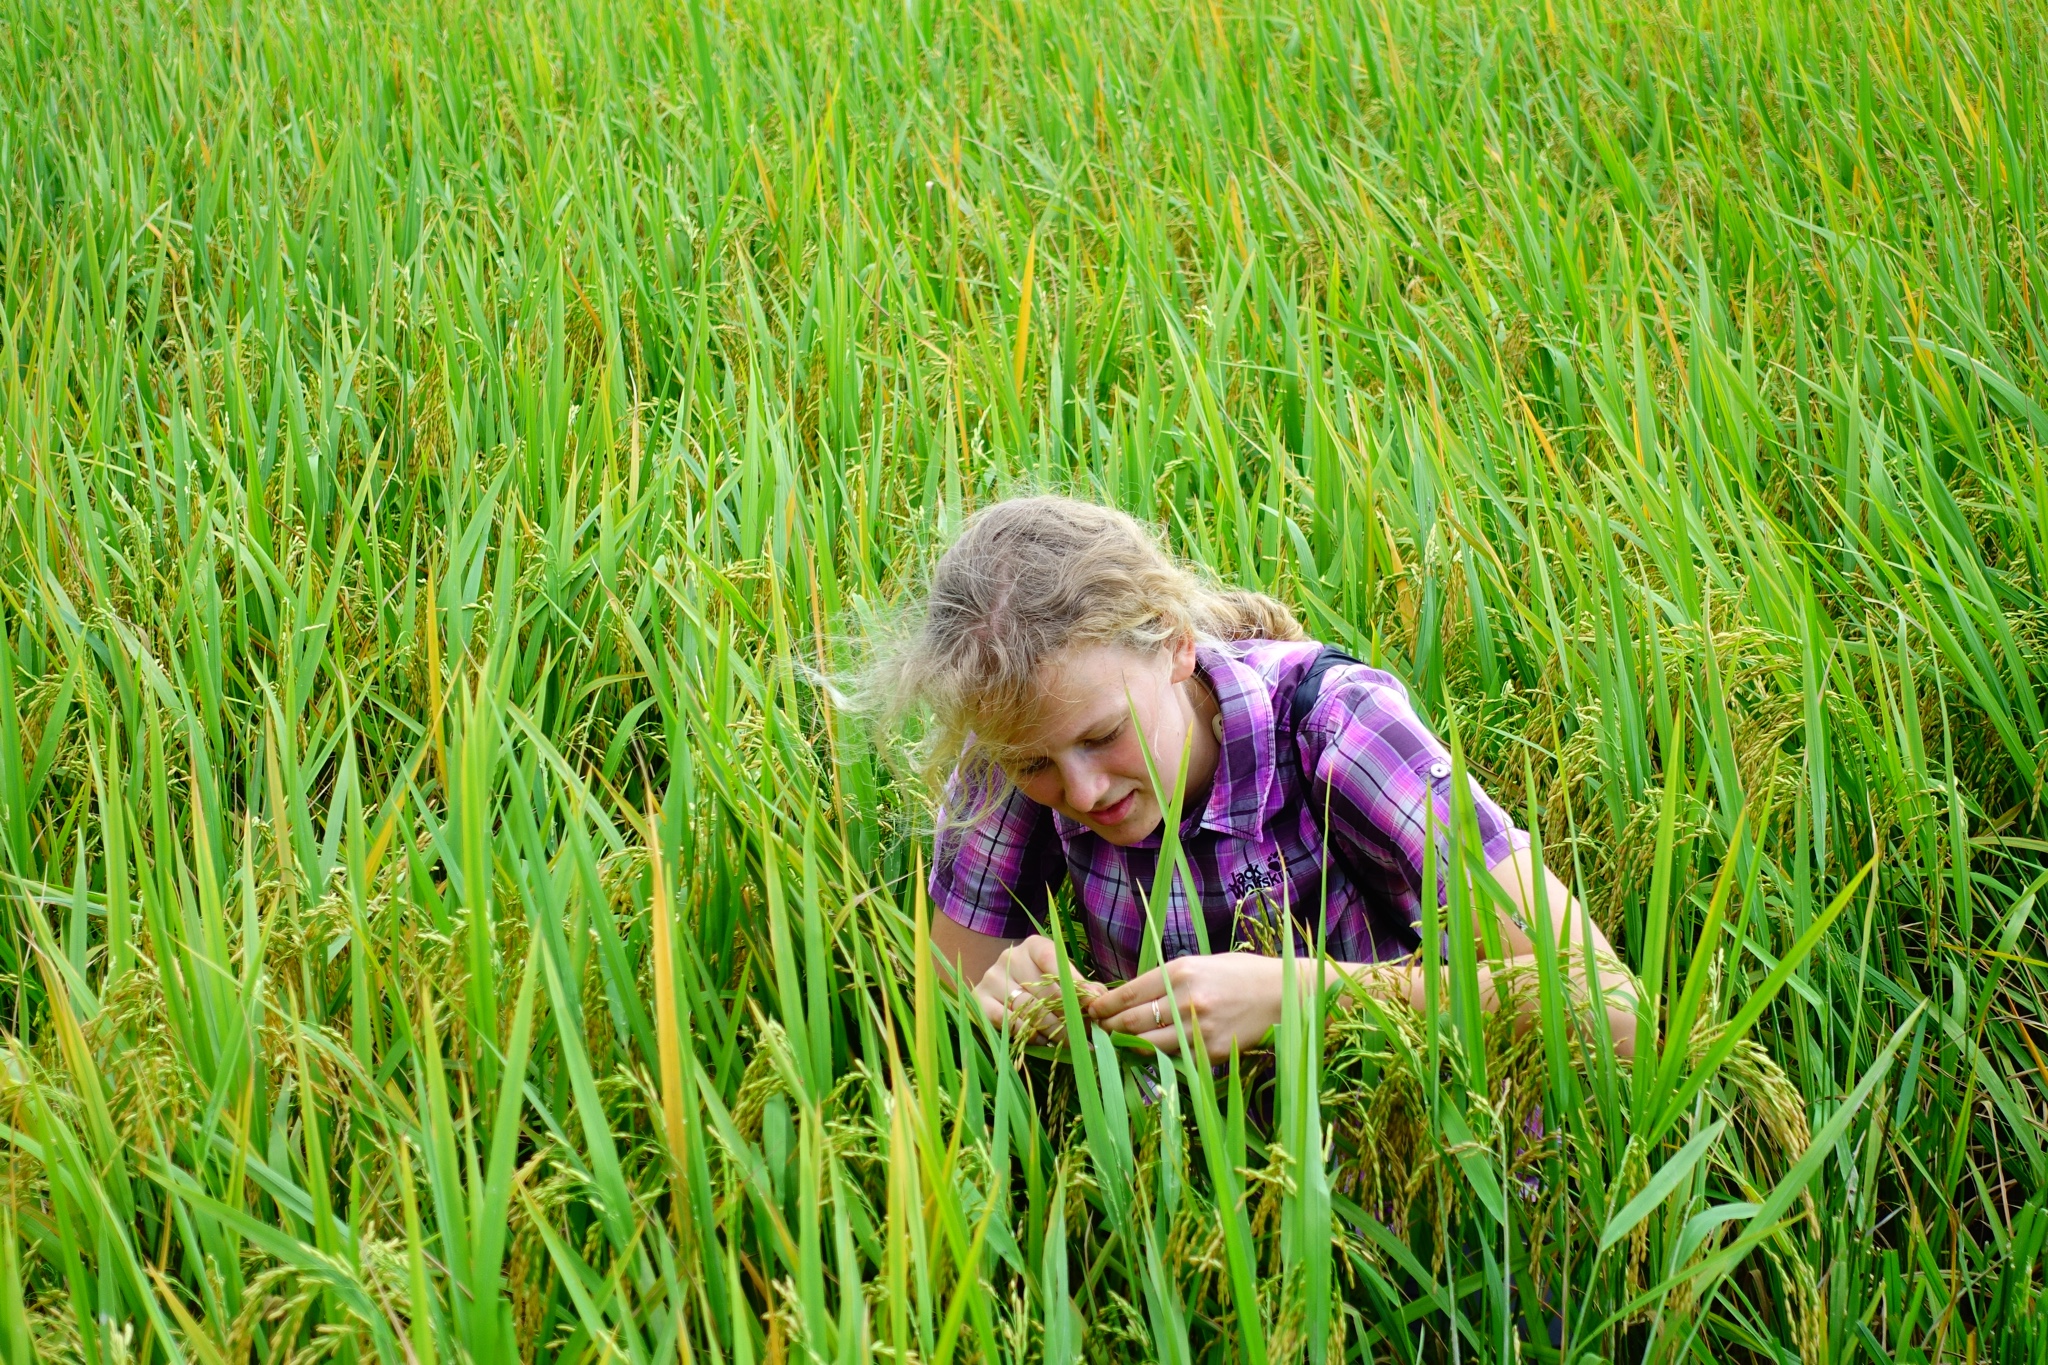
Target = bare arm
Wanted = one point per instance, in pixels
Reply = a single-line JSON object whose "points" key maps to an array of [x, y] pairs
{"points": [[1577, 933], [1575, 930], [1233, 999], [968, 953]]}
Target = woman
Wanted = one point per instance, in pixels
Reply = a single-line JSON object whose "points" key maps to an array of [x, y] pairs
{"points": [[1059, 644]]}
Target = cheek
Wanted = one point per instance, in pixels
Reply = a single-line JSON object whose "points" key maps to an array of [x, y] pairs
{"points": [[1128, 757], [1044, 787]]}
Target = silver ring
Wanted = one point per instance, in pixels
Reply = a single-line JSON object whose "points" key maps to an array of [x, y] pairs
{"points": [[1158, 1020]]}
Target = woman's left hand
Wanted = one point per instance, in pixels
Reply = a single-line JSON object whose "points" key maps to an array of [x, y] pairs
{"points": [[1231, 1000]]}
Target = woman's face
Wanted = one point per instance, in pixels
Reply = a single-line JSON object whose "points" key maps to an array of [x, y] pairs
{"points": [[1081, 752]]}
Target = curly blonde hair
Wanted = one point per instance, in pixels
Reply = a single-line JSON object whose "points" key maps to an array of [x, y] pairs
{"points": [[1027, 579]]}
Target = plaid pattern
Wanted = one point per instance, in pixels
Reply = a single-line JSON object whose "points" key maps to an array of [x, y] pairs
{"points": [[1363, 760]]}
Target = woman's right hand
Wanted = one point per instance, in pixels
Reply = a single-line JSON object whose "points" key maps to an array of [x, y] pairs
{"points": [[1021, 991]]}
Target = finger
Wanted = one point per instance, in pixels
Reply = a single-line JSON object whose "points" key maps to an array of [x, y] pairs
{"points": [[1025, 972], [1137, 991], [1001, 975], [1166, 1040], [1151, 1017], [1018, 1017], [1025, 1005], [1169, 1040], [1027, 990], [1038, 1020], [1051, 1030], [993, 1006], [1084, 990], [1083, 987], [1020, 972], [1045, 971], [1043, 954]]}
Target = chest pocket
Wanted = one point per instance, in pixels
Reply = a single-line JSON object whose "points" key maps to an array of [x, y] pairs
{"points": [[1286, 884]]}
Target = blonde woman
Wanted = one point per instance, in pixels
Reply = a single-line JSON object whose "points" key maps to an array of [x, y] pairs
{"points": [[1058, 643]]}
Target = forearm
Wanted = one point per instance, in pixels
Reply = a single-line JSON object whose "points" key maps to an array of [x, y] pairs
{"points": [[962, 951], [1407, 981]]}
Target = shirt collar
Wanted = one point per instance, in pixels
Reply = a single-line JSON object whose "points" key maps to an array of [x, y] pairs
{"points": [[1244, 769]]}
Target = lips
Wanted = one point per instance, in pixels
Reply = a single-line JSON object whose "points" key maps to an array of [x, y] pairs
{"points": [[1116, 814]]}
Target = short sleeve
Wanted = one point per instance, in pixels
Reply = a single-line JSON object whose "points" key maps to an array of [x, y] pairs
{"points": [[995, 875], [1382, 780]]}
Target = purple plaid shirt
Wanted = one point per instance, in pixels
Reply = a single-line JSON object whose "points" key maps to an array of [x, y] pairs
{"points": [[1361, 769]]}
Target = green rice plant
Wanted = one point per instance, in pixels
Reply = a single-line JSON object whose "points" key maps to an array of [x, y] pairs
{"points": [[452, 453]]}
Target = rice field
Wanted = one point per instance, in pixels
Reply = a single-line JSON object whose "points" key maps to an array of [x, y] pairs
{"points": [[452, 454]]}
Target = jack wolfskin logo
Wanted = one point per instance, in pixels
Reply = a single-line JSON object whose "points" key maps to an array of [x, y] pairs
{"points": [[1257, 878]]}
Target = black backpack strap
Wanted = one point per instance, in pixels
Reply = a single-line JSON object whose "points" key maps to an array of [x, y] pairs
{"points": [[1310, 688]]}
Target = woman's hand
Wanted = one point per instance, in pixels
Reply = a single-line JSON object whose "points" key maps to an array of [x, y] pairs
{"points": [[1231, 1001], [1021, 991]]}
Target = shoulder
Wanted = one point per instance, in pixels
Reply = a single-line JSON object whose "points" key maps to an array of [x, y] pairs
{"points": [[1347, 688], [1357, 689], [1364, 714], [1352, 704], [1276, 666]]}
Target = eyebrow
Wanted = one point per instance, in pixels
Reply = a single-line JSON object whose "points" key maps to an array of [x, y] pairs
{"points": [[1008, 751], [1100, 725]]}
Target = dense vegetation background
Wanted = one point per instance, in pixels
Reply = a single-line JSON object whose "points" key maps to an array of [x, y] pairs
{"points": [[447, 446]]}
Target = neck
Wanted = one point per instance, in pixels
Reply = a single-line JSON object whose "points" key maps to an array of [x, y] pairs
{"points": [[1204, 753]]}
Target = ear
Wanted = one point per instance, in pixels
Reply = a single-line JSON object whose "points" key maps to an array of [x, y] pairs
{"points": [[1182, 652]]}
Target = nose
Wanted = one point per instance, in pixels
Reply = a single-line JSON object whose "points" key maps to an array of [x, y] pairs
{"points": [[1085, 783]]}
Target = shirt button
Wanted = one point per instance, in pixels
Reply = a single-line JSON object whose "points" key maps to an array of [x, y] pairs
{"points": [[1439, 769]]}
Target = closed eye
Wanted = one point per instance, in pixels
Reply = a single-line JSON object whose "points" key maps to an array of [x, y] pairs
{"points": [[1031, 767]]}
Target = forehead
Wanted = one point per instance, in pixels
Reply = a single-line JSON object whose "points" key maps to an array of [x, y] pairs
{"points": [[1078, 691]]}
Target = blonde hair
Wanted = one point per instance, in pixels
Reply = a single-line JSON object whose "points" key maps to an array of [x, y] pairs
{"points": [[1026, 580]]}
